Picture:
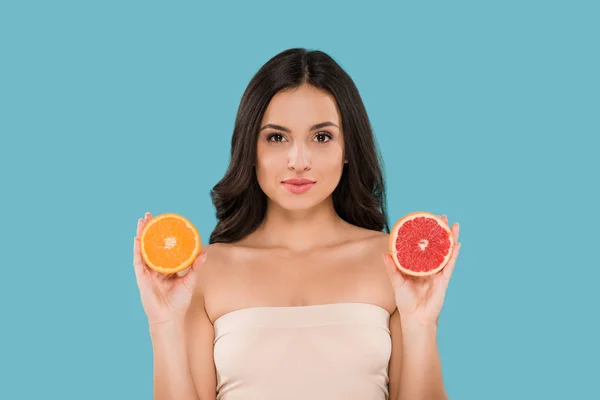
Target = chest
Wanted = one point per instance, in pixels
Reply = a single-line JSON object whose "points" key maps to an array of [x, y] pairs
{"points": [[267, 279]]}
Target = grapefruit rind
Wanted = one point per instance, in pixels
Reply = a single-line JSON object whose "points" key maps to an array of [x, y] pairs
{"points": [[184, 264], [394, 236]]}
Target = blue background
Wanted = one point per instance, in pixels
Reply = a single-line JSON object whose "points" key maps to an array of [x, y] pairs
{"points": [[485, 111]]}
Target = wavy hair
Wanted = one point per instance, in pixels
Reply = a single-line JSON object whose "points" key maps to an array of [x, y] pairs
{"points": [[359, 198]]}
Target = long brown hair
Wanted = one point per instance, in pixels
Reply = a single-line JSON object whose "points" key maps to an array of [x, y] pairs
{"points": [[359, 198]]}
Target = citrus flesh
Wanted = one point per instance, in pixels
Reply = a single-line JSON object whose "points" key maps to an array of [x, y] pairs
{"points": [[421, 243], [169, 243]]}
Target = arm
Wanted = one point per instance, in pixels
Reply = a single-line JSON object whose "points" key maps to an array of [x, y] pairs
{"points": [[421, 370], [183, 356], [172, 377], [414, 330], [201, 335], [396, 357]]}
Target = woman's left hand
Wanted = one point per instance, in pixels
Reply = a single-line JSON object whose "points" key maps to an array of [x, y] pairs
{"points": [[420, 299]]}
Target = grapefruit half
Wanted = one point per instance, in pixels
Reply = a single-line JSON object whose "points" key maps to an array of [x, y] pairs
{"points": [[421, 243], [169, 243]]}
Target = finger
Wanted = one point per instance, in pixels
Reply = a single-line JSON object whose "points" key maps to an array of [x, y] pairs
{"points": [[455, 230], [448, 269], [160, 276], [142, 223], [138, 263], [140, 226], [396, 277], [445, 219], [199, 261], [443, 278], [195, 265], [189, 279]]}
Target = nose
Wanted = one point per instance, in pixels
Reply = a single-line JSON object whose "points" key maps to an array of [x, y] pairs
{"points": [[298, 158]]}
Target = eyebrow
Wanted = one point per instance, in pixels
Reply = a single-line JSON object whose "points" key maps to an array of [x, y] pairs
{"points": [[315, 127]]}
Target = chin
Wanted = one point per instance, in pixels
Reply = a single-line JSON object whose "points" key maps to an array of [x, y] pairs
{"points": [[298, 206], [294, 202], [291, 202]]}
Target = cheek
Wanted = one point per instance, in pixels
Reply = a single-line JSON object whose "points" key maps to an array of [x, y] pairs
{"points": [[328, 158], [268, 168], [269, 163]]}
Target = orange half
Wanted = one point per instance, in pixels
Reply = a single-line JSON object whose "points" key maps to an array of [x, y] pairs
{"points": [[169, 243]]}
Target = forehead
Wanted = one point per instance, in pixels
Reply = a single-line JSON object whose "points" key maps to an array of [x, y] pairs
{"points": [[301, 107]]}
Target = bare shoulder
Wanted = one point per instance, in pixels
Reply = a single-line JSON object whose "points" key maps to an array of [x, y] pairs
{"points": [[381, 241], [376, 241], [217, 278], [373, 244], [217, 257]]}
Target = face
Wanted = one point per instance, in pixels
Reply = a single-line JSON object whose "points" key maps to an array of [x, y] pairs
{"points": [[295, 148]]}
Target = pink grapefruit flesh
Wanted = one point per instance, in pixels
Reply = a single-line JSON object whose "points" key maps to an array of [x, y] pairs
{"points": [[421, 244]]}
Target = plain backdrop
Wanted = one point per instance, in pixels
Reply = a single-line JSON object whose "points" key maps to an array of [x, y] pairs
{"points": [[487, 112]]}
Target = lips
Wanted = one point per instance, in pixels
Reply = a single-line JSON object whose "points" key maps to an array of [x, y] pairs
{"points": [[298, 185], [298, 181], [298, 189]]}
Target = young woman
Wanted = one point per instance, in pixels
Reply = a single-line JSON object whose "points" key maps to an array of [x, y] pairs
{"points": [[295, 297]]}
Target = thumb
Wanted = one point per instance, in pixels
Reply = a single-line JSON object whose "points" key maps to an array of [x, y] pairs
{"points": [[194, 267], [189, 278], [396, 277]]}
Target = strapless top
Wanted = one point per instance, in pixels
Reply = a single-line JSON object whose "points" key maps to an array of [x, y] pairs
{"points": [[329, 351]]}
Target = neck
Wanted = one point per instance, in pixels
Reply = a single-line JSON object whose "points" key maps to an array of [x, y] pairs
{"points": [[300, 230]]}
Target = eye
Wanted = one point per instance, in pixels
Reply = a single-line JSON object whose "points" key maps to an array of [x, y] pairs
{"points": [[276, 135], [326, 135]]}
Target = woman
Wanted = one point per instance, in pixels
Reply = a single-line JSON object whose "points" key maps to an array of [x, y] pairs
{"points": [[296, 297]]}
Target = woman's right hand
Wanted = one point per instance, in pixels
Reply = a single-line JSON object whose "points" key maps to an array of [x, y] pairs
{"points": [[165, 298]]}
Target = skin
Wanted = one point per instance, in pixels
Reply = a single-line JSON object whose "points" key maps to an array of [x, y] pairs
{"points": [[304, 254]]}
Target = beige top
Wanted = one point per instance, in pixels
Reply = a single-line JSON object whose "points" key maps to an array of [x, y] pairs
{"points": [[330, 351]]}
